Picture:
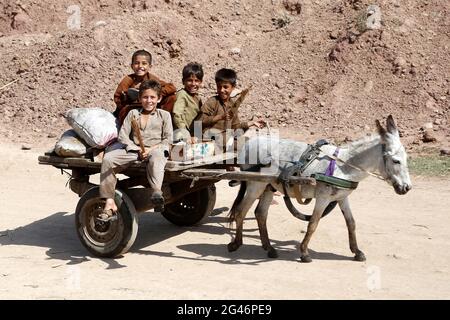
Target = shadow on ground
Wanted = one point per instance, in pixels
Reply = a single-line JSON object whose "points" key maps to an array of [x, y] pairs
{"points": [[57, 233]]}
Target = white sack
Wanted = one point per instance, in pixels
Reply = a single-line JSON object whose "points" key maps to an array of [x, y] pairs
{"points": [[70, 145], [96, 126]]}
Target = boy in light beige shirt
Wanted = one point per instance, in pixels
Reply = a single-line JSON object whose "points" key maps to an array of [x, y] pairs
{"points": [[141, 63], [155, 126]]}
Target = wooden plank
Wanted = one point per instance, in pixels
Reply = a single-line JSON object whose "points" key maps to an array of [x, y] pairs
{"points": [[186, 170], [242, 175], [69, 162], [182, 165], [62, 162]]}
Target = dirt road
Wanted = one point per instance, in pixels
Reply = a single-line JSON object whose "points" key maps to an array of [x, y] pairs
{"points": [[405, 238]]}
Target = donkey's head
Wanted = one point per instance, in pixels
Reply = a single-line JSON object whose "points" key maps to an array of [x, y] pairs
{"points": [[395, 169]]}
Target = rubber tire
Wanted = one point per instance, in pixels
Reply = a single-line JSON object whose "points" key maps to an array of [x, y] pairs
{"points": [[125, 227], [192, 209]]}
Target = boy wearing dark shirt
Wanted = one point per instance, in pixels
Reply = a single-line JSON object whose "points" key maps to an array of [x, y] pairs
{"points": [[220, 113], [126, 97]]}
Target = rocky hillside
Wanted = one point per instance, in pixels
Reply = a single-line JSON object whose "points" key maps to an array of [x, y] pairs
{"points": [[318, 68]]}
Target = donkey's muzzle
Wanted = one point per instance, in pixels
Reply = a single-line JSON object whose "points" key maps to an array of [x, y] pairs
{"points": [[402, 188]]}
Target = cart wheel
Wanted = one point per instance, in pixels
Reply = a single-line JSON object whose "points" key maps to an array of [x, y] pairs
{"points": [[193, 208], [106, 239]]}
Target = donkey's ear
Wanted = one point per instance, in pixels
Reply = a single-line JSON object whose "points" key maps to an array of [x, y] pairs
{"points": [[390, 125], [381, 130]]}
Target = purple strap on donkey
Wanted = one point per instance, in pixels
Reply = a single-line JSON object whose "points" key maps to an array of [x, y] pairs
{"points": [[330, 170]]}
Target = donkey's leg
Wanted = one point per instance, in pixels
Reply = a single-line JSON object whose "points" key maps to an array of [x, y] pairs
{"points": [[254, 191], [261, 213], [321, 204], [345, 208]]}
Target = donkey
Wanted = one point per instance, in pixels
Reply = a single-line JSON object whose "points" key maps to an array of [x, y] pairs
{"points": [[380, 154]]}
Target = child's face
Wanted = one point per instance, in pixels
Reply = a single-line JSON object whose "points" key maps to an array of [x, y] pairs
{"points": [[224, 89], [140, 65], [192, 84], [149, 99]]}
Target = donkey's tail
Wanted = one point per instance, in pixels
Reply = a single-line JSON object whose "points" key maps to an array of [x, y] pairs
{"points": [[239, 197], [241, 193]]}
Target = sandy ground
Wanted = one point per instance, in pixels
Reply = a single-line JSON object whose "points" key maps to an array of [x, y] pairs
{"points": [[405, 239]]}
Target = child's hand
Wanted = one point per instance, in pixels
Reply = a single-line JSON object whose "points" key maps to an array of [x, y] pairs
{"points": [[219, 117], [144, 155], [229, 115], [226, 116], [193, 140], [258, 123]]}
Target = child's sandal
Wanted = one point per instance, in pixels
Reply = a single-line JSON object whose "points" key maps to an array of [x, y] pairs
{"points": [[107, 215]]}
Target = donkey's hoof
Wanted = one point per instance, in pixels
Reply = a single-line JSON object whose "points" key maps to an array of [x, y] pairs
{"points": [[272, 253], [233, 246], [360, 257], [305, 259]]}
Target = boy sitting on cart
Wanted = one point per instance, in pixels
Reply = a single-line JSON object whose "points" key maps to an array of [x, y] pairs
{"points": [[125, 95], [145, 135], [219, 114]]}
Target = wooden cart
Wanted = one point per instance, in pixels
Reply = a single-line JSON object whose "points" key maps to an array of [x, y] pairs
{"points": [[188, 189]]}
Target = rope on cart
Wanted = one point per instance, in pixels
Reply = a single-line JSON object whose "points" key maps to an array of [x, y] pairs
{"points": [[70, 176], [197, 178]]}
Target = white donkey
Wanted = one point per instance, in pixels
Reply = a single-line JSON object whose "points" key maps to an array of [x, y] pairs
{"points": [[381, 154]]}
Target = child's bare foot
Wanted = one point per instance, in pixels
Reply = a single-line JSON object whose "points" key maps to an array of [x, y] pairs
{"points": [[110, 204], [109, 212]]}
